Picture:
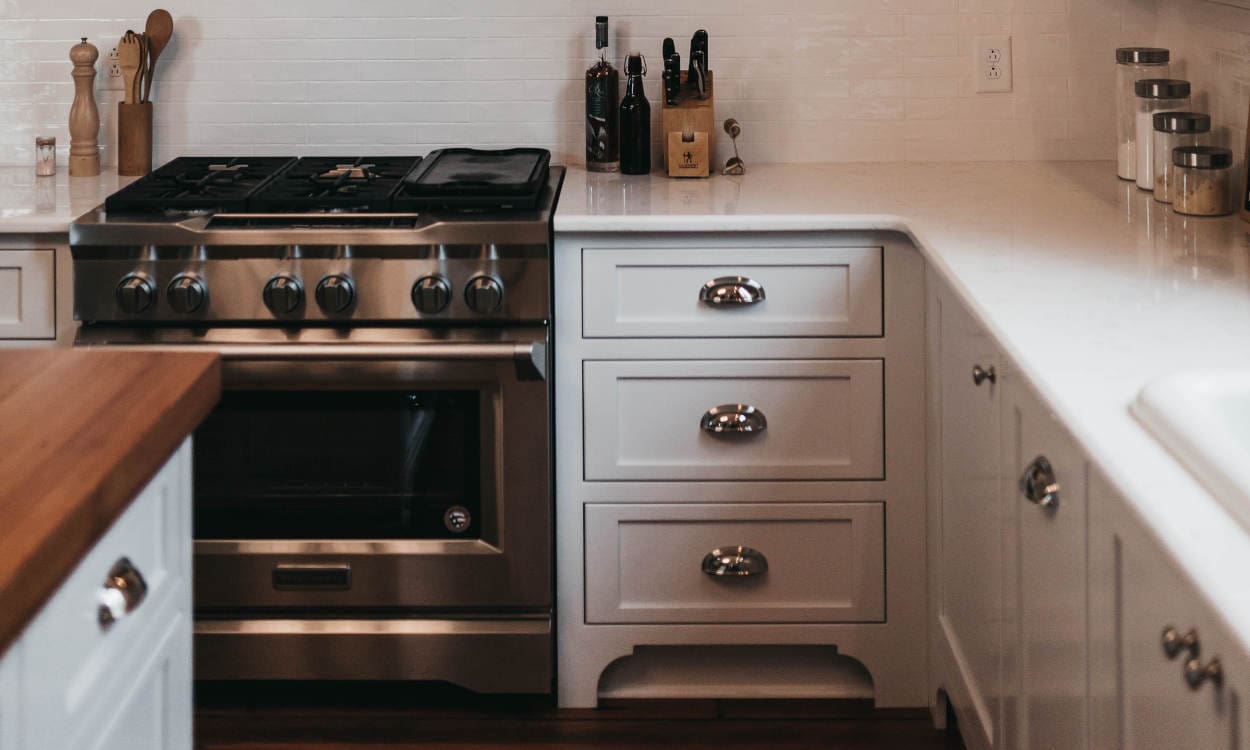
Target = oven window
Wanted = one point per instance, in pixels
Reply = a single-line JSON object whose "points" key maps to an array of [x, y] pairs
{"points": [[339, 465]]}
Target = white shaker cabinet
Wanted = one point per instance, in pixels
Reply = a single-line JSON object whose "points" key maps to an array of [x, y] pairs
{"points": [[972, 521], [100, 669], [1167, 674], [27, 294]]}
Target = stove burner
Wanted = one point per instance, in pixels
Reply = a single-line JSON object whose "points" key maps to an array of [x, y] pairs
{"points": [[348, 172], [197, 184], [335, 184]]}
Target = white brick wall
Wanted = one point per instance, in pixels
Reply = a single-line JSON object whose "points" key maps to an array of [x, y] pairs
{"points": [[810, 80]]}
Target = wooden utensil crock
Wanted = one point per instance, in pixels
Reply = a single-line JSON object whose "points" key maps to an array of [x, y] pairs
{"points": [[134, 139]]}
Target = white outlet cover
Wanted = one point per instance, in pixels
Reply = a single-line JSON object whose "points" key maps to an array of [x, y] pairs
{"points": [[991, 64], [110, 74]]}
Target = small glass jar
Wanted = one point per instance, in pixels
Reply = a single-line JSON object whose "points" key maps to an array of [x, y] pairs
{"points": [[45, 156], [1202, 181], [1154, 95], [1131, 65], [1175, 130]]}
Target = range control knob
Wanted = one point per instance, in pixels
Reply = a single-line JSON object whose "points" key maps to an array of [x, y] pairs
{"points": [[135, 293], [187, 293], [484, 295], [283, 294], [431, 294], [336, 293]]}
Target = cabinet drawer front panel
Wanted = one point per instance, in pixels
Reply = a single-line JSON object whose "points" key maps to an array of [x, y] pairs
{"points": [[817, 292], [824, 420], [826, 563], [27, 294], [73, 661]]}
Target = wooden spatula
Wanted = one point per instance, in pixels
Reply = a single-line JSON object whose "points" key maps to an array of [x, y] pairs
{"points": [[159, 31], [128, 59]]}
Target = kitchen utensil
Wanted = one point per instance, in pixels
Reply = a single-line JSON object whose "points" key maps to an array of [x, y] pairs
{"points": [[698, 69], [698, 43], [84, 116], [734, 166], [143, 67], [128, 54], [670, 48], [672, 78], [159, 30]]}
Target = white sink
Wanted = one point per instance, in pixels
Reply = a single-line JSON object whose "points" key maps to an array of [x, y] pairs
{"points": [[1203, 418]]}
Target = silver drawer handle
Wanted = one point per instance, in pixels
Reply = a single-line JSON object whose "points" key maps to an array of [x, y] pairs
{"points": [[1038, 484], [734, 418], [123, 592], [731, 290], [735, 562], [981, 374], [1197, 673]]}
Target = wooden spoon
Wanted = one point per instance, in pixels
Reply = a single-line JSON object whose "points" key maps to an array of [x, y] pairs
{"points": [[143, 67], [159, 30], [128, 54]]}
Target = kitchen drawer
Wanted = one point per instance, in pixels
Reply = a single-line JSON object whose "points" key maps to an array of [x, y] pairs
{"points": [[811, 291], [644, 420], [825, 563], [27, 294], [74, 666]]}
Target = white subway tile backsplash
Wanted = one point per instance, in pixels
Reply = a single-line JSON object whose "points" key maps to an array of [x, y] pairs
{"points": [[809, 80]]}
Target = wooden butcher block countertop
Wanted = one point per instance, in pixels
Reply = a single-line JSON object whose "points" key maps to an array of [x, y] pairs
{"points": [[81, 433]]}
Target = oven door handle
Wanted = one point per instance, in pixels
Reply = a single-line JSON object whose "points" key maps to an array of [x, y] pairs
{"points": [[531, 356]]}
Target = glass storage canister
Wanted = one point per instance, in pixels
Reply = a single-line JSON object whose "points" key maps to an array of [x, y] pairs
{"points": [[1131, 65], [1154, 95], [1202, 181], [1174, 130]]}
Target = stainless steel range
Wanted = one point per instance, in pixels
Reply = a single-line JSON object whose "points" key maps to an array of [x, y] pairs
{"points": [[373, 494]]}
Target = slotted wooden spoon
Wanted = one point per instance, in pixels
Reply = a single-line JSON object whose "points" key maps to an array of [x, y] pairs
{"points": [[129, 56], [159, 30]]}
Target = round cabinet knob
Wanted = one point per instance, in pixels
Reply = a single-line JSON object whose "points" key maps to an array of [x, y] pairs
{"points": [[187, 293], [283, 294], [335, 293], [431, 294], [135, 293], [484, 295]]}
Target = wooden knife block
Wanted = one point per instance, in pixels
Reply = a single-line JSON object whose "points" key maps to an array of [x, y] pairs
{"points": [[694, 118]]}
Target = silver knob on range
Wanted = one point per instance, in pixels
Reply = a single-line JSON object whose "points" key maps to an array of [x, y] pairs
{"points": [[431, 294], [336, 293], [135, 293], [283, 294], [187, 293], [484, 295]]}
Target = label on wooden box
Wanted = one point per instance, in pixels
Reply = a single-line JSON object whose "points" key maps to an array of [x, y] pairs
{"points": [[688, 158]]}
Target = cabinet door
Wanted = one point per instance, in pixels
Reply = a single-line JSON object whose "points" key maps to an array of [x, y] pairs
{"points": [[972, 519], [1158, 708], [1046, 662], [9, 696], [27, 294]]}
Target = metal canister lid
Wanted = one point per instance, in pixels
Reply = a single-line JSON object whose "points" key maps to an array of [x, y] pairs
{"points": [[1142, 56], [45, 140], [1162, 88], [1202, 157], [1182, 122]]}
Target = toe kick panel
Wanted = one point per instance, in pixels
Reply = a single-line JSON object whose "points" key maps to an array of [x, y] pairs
{"points": [[733, 420], [735, 563]]}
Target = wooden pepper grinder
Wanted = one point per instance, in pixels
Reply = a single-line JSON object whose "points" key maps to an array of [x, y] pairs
{"points": [[84, 116]]}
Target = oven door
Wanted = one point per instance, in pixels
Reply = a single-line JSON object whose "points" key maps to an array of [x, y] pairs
{"points": [[380, 478]]}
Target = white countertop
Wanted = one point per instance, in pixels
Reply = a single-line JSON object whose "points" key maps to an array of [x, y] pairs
{"points": [[47, 205], [1091, 288]]}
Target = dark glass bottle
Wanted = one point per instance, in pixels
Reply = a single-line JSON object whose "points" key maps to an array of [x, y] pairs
{"points": [[635, 119], [602, 93]]}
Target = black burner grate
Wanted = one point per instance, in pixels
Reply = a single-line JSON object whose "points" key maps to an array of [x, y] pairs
{"points": [[327, 183], [198, 183]]}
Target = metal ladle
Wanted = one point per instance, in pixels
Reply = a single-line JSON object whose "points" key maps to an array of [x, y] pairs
{"points": [[735, 165]]}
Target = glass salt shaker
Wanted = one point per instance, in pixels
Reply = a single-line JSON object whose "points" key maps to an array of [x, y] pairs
{"points": [[45, 156], [1154, 95], [1131, 65], [1174, 130], [1202, 181]]}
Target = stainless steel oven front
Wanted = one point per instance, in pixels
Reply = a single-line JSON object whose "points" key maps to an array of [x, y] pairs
{"points": [[373, 503]]}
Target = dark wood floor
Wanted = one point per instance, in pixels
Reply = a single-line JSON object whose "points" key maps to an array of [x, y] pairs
{"points": [[399, 717]]}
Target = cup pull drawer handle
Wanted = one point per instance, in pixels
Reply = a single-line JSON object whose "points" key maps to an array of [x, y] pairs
{"points": [[733, 418], [731, 290], [735, 562], [124, 590], [1038, 484]]}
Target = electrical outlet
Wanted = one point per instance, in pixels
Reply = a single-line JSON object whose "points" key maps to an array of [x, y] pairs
{"points": [[112, 71], [992, 64]]}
